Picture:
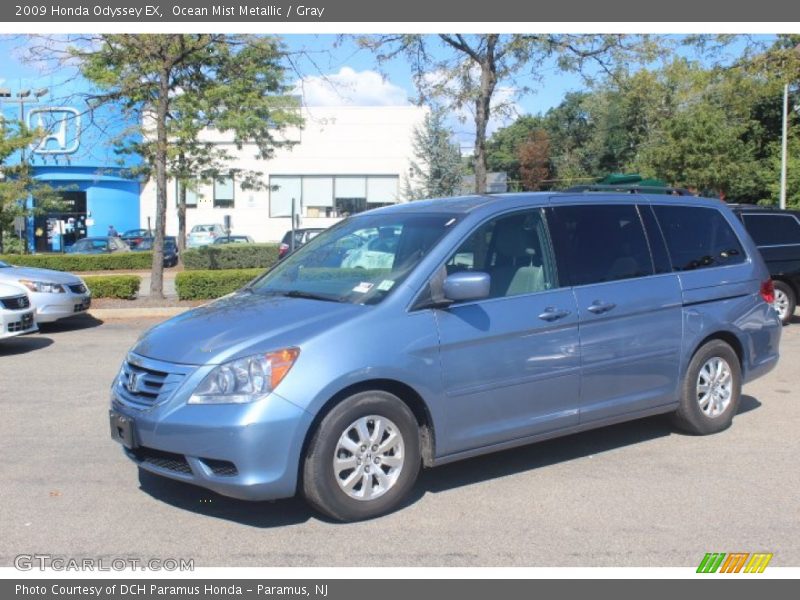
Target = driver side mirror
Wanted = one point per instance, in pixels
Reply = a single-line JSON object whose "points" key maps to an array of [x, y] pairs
{"points": [[467, 285]]}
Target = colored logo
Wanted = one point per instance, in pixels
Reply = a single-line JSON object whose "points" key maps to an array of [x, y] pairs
{"points": [[734, 562]]}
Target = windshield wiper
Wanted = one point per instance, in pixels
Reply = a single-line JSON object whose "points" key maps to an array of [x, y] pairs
{"points": [[309, 295]]}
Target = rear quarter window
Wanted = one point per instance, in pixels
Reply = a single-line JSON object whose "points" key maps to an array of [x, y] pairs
{"points": [[698, 237]]}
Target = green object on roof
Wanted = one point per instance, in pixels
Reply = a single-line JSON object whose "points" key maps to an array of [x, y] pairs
{"points": [[632, 179]]}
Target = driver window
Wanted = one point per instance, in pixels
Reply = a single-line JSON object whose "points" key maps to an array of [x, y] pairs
{"points": [[513, 250]]}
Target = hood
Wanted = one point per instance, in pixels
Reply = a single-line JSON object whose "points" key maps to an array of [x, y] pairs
{"points": [[8, 288], [241, 324], [48, 275]]}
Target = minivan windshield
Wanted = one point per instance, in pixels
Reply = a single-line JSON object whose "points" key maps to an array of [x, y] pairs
{"points": [[360, 260]]}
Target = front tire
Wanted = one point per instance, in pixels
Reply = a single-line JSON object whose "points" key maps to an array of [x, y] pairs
{"points": [[785, 301], [363, 458], [711, 390]]}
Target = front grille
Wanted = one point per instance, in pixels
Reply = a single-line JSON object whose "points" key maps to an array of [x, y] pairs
{"points": [[223, 468], [141, 385], [168, 461], [15, 303], [78, 288]]}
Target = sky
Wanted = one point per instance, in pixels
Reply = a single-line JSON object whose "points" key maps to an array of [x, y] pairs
{"points": [[329, 70]]}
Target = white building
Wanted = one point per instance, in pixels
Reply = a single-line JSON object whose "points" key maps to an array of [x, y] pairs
{"points": [[348, 159]]}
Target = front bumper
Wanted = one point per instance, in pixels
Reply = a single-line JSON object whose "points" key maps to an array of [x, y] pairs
{"points": [[17, 322], [51, 307], [246, 451]]}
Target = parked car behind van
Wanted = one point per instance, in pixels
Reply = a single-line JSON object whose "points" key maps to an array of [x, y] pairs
{"points": [[777, 235], [500, 321], [53, 294], [202, 235]]}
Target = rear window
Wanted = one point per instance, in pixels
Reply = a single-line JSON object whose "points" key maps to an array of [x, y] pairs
{"points": [[597, 243], [773, 230], [698, 237]]}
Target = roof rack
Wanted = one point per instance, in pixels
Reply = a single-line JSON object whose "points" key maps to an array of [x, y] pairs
{"points": [[630, 189]]}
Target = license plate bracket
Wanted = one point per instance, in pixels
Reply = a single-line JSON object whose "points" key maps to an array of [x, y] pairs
{"points": [[122, 429]]}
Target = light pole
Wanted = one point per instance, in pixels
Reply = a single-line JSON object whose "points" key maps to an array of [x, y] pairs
{"points": [[784, 143]]}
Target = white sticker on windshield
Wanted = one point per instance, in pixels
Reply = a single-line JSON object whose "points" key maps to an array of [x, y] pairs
{"points": [[363, 287], [385, 285]]}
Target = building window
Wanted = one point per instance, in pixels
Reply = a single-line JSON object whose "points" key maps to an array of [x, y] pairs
{"points": [[321, 196], [282, 190], [223, 192], [191, 194], [317, 197]]}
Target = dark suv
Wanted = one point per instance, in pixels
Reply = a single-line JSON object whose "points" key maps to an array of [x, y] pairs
{"points": [[777, 234]]}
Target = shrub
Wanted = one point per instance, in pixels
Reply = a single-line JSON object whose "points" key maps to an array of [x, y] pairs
{"points": [[124, 287], [231, 256], [205, 285], [82, 262]]}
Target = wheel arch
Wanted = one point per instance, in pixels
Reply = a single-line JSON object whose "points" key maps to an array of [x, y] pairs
{"points": [[729, 338], [408, 395]]}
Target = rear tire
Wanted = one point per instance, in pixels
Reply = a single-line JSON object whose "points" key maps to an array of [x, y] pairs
{"points": [[785, 301], [711, 390], [363, 458]]}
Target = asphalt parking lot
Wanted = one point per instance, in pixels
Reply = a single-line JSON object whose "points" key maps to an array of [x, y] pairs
{"points": [[637, 494]]}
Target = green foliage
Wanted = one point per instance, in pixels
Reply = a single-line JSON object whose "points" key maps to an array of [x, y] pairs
{"points": [[712, 129], [124, 287], [205, 285], [231, 256], [436, 171], [82, 262]]}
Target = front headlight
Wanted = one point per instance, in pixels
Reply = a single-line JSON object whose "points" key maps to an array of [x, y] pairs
{"points": [[245, 379], [43, 287]]}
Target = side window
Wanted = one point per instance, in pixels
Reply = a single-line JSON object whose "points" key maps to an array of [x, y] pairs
{"points": [[772, 230], [698, 237], [513, 250], [600, 242]]}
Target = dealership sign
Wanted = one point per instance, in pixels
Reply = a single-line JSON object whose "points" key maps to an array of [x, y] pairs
{"points": [[60, 127]]}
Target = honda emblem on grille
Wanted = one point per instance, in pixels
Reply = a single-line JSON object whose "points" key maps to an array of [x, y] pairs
{"points": [[133, 383]]}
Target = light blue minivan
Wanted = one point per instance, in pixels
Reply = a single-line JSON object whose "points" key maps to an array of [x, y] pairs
{"points": [[467, 325]]}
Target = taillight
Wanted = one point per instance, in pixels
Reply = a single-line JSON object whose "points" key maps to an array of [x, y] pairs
{"points": [[768, 291], [282, 250]]}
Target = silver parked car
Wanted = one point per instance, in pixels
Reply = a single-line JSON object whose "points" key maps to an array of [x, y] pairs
{"points": [[203, 235], [53, 294]]}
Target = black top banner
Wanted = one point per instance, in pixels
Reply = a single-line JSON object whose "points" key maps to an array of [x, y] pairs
{"points": [[443, 11]]}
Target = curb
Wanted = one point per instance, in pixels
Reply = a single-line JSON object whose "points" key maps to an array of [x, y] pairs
{"points": [[137, 313]]}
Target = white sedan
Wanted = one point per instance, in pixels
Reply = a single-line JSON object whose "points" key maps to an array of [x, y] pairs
{"points": [[16, 313], [54, 294]]}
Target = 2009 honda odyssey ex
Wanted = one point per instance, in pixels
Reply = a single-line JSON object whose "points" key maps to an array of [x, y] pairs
{"points": [[479, 324]]}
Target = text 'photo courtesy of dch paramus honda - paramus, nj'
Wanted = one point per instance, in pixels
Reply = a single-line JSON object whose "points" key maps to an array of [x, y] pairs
{"points": [[473, 324]]}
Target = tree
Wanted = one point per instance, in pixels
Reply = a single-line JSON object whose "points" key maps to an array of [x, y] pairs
{"points": [[465, 71], [534, 160], [437, 170], [17, 183], [178, 86], [503, 147]]}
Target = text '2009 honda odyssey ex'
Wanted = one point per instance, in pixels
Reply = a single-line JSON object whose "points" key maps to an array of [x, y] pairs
{"points": [[492, 322]]}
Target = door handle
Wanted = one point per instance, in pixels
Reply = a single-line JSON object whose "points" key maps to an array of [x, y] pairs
{"points": [[597, 307], [553, 314]]}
